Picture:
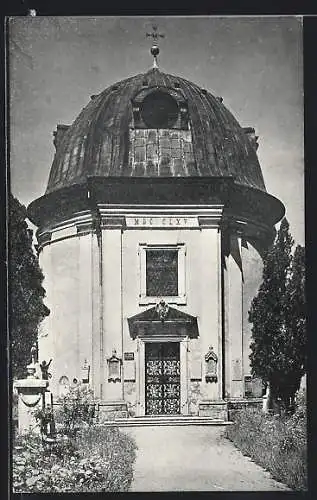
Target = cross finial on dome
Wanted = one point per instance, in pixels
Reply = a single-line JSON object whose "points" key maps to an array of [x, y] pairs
{"points": [[155, 50]]}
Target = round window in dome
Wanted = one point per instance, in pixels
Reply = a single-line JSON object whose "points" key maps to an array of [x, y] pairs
{"points": [[159, 110]]}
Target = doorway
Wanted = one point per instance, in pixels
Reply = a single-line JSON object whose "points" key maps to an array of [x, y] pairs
{"points": [[162, 378]]}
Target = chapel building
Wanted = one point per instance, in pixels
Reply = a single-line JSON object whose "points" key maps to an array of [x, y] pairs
{"points": [[150, 237]]}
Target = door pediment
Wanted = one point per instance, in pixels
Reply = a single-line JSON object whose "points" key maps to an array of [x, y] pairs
{"points": [[150, 323]]}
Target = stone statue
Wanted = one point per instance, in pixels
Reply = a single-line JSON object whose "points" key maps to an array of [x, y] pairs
{"points": [[44, 369], [211, 359], [33, 353]]}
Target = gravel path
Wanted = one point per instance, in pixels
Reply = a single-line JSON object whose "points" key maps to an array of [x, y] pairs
{"points": [[194, 458]]}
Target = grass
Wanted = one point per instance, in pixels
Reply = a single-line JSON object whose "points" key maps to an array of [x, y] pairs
{"points": [[277, 443], [85, 457], [98, 459]]}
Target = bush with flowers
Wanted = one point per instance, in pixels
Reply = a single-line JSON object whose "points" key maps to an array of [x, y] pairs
{"points": [[276, 442], [84, 457]]}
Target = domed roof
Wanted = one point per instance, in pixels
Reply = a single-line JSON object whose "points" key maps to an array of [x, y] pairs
{"points": [[104, 142]]}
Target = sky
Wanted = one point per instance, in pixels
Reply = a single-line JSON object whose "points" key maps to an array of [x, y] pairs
{"points": [[254, 63]]}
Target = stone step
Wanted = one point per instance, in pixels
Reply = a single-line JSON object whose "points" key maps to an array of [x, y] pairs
{"points": [[165, 420]]}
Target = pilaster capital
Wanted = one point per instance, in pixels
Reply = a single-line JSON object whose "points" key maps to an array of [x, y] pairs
{"points": [[112, 222]]}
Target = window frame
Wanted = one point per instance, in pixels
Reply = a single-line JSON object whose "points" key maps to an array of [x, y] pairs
{"points": [[149, 103], [180, 298]]}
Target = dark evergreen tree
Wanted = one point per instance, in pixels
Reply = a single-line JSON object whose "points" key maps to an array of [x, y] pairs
{"points": [[295, 323], [26, 307], [277, 315]]}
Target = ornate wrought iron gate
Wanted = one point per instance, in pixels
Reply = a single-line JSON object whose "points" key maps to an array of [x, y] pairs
{"points": [[162, 378]]}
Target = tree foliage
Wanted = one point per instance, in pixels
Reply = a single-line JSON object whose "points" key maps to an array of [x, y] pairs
{"points": [[26, 307], [278, 317]]}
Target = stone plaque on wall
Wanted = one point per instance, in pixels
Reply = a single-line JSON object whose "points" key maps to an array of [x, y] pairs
{"points": [[129, 371], [237, 369], [195, 369], [128, 356]]}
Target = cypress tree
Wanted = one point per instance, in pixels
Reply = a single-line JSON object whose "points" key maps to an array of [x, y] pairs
{"points": [[277, 315], [26, 307]]}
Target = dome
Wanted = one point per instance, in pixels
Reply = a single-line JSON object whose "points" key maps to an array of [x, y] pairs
{"points": [[157, 139], [190, 134]]}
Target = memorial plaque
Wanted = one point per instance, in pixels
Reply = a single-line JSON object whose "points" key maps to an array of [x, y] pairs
{"points": [[237, 369], [128, 356], [129, 371], [195, 369]]}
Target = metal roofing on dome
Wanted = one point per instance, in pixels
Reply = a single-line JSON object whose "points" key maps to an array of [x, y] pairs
{"points": [[97, 143]]}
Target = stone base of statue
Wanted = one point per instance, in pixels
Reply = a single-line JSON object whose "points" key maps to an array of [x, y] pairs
{"points": [[31, 397]]}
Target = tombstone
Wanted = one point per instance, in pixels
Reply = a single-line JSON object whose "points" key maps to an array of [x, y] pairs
{"points": [[266, 400], [63, 385], [85, 372], [211, 360], [114, 367]]}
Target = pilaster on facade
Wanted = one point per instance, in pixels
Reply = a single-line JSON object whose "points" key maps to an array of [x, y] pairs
{"points": [[233, 328], [96, 312], [112, 306], [209, 319], [85, 323]]}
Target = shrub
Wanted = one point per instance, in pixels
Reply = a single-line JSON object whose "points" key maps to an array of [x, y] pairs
{"points": [[84, 458], [74, 409], [115, 447], [99, 460], [277, 443], [34, 466]]}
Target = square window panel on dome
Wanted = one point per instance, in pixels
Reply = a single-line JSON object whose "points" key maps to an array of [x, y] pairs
{"points": [[166, 168], [187, 147], [164, 133], [165, 143], [138, 142], [151, 169], [138, 170], [139, 154], [191, 168], [176, 153], [139, 133], [151, 152], [175, 143], [152, 136], [179, 167]]}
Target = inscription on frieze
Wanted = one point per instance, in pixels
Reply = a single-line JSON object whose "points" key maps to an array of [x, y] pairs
{"points": [[160, 221]]}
